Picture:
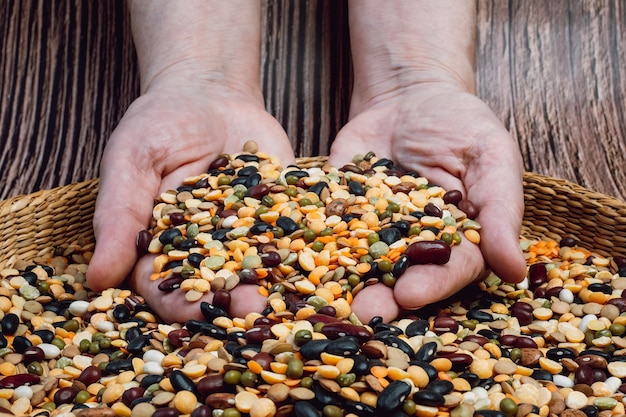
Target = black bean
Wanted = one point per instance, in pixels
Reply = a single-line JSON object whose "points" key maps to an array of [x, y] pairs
{"points": [[168, 235], [383, 162], [181, 382], [45, 335], [119, 366], [132, 333], [428, 398], [361, 365], [136, 345], [567, 241], [305, 409], [121, 313], [9, 323], [314, 348], [356, 188], [345, 346], [398, 343], [603, 288], [541, 375], [441, 386], [489, 413], [418, 327], [211, 312], [392, 396], [430, 370], [148, 380], [390, 235], [426, 352], [556, 354], [253, 180], [21, 343], [479, 315], [590, 410], [323, 397], [287, 224], [205, 328], [317, 188], [359, 408], [248, 157]]}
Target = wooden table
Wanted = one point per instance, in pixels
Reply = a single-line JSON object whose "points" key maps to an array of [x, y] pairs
{"points": [[553, 71]]}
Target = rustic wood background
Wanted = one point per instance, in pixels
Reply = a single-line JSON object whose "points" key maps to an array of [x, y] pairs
{"points": [[553, 71]]}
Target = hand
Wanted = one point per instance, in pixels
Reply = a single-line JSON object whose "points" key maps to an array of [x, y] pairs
{"points": [[170, 133], [452, 138]]}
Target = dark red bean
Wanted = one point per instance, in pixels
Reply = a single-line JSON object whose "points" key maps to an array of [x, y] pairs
{"points": [[14, 381], [508, 339], [428, 252], [227, 213], [525, 342], [619, 260], [460, 361], [432, 210], [258, 191], [33, 354], [178, 337], [337, 330], [271, 259], [257, 334], [321, 318], [445, 324], [452, 197], [265, 321], [468, 208], [166, 412], [202, 411], [65, 395], [177, 218], [476, 338], [620, 303], [248, 276], [567, 241], [264, 360], [537, 275], [132, 394], [219, 162], [584, 375], [210, 384], [89, 375], [328, 311], [553, 292], [220, 400], [143, 241], [170, 284], [222, 299], [523, 312]]}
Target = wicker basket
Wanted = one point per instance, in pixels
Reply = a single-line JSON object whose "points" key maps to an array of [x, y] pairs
{"points": [[555, 208]]}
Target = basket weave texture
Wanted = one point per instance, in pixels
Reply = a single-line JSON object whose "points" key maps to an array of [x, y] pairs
{"points": [[34, 223]]}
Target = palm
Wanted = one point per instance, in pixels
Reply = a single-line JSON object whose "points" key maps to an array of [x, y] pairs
{"points": [[454, 140], [162, 139]]}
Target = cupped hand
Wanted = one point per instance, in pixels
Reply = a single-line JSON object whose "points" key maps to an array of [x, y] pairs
{"points": [[452, 138], [168, 134]]}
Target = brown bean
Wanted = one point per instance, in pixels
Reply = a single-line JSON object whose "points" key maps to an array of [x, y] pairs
{"points": [[445, 324], [468, 208], [452, 197], [336, 207]]}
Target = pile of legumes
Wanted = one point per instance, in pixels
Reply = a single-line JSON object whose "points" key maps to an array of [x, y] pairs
{"points": [[310, 239]]}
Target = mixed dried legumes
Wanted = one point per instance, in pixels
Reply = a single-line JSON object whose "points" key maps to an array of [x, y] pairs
{"points": [[551, 345]]}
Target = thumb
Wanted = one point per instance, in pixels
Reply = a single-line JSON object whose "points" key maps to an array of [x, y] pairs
{"points": [[123, 209]]}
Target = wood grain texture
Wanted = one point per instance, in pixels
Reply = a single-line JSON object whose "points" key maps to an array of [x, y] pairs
{"points": [[552, 71]]}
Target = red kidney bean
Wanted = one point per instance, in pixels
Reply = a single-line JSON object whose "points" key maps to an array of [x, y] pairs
{"points": [[553, 292], [584, 375], [328, 311], [257, 334], [321, 318], [219, 162], [132, 394], [428, 252], [620, 303], [211, 384], [445, 324], [202, 411], [220, 400], [432, 210], [258, 191], [65, 395], [523, 312], [144, 238], [170, 284], [537, 275], [89, 375], [177, 218], [468, 208], [265, 321], [33, 354], [178, 337], [166, 412], [264, 360], [476, 338], [14, 381], [525, 342], [271, 259], [337, 330], [452, 197], [248, 276], [508, 339], [460, 361], [222, 299]]}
